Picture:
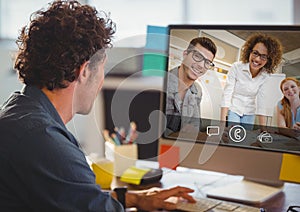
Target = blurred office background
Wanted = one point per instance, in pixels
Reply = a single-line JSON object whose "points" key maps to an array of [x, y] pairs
{"points": [[132, 18]]}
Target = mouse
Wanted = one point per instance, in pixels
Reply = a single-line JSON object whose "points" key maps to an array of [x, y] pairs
{"points": [[152, 176]]}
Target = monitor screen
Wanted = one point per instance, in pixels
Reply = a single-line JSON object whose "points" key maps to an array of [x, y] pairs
{"points": [[234, 86]]}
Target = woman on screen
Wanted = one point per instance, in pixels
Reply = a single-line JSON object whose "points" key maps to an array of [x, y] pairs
{"points": [[243, 96], [288, 108]]}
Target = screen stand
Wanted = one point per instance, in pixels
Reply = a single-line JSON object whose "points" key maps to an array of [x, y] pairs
{"points": [[244, 191]]}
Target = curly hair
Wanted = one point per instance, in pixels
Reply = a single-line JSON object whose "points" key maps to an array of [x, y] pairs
{"points": [[286, 106], [272, 44], [58, 41]]}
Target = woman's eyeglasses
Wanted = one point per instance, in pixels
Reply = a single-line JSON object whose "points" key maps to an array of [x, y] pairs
{"points": [[263, 57], [198, 57]]}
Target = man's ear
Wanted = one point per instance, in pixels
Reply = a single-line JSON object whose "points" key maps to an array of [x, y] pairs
{"points": [[83, 72], [185, 53]]}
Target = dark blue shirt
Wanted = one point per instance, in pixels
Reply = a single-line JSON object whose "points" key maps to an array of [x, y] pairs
{"points": [[42, 166]]}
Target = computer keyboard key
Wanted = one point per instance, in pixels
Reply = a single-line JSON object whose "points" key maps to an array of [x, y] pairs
{"points": [[245, 208], [200, 205], [227, 206], [214, 205]]}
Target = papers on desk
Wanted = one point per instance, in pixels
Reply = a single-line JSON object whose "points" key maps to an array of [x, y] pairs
{"points": [[200, 180]]}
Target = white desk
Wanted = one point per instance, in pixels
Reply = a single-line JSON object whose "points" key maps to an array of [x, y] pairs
{"points": [[206, 180]]}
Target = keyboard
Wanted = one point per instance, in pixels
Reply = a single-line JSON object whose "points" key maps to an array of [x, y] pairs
{"points": [[214, 205]]}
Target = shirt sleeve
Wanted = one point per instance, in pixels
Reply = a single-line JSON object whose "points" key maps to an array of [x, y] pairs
{"points": [[199, 97], [55, 176], [229, 87], [279, 105]]}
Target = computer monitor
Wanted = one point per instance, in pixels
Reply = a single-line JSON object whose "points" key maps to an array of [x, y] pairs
{"points": [[255, 151]]}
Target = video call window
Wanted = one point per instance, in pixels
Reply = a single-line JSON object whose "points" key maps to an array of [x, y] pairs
{"points": [[272, 118]]}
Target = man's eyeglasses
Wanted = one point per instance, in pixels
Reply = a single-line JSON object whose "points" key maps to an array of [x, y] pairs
{"points": [[198, 57], [293, 208], [263, 57]]}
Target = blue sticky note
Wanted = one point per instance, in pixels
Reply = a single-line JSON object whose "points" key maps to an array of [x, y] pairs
{"points": [[155, 54], [157, 38]]}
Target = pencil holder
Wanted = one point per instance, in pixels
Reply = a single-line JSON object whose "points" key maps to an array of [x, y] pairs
{"points": [[123, 156]]}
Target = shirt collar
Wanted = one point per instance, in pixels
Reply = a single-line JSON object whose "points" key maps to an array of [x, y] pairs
{"points": [[246, 67], [39, 96], [173, 82]]}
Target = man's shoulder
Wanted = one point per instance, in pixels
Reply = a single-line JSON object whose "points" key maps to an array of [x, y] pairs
{"points": [[23, 114], [199, 89], [28, 128], [20, 125], [173, 72]]}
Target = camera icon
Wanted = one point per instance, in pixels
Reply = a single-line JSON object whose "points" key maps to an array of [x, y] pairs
{"points": [[265, 137]]}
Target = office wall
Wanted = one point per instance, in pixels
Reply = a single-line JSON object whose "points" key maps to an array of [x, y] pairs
{"points": [[88, 128], [8, 78], [296, 12]]}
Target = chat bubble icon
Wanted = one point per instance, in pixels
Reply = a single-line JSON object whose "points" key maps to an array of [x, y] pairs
{"points": [[212, 130]]}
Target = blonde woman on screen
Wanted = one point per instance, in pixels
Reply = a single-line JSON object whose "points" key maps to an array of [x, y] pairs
{"points": [[288, 108]]}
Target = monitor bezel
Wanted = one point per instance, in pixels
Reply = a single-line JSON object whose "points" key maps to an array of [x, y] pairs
{"points": [[258, 28]]}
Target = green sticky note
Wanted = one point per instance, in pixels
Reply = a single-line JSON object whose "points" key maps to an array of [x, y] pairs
{"points": [[154, 64]]}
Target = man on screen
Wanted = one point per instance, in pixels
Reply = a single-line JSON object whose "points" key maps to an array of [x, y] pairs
{"points": [[183, 93]]}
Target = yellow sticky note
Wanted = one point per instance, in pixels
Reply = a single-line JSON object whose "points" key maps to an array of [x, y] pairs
{"points": [[134, 175], [290, 168]]}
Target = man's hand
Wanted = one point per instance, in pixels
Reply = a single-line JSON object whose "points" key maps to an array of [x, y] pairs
{"points": [[156, 198]]}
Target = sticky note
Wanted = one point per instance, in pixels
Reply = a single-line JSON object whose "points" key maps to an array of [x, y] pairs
{"points": [[157, 38], [134, 175], [155, 54], [154, 64], [169, 156], [290, 168]]}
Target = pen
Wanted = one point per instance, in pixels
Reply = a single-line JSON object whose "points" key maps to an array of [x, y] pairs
{"points": [[128, 134], [107, 137], [118, 134], [122, 133], [115, 139], [132, 134]]}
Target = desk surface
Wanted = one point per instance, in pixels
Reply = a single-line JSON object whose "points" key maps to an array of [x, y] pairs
{"points": [[205, 180]]}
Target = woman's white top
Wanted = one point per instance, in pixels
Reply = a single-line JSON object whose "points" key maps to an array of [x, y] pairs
{"points": [[242, 93]]}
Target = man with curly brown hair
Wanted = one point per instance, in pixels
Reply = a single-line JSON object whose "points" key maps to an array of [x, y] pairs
{"points": [[61, 62]]}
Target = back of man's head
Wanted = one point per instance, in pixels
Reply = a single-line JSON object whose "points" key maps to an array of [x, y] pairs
{"points": [[58, 41]]}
